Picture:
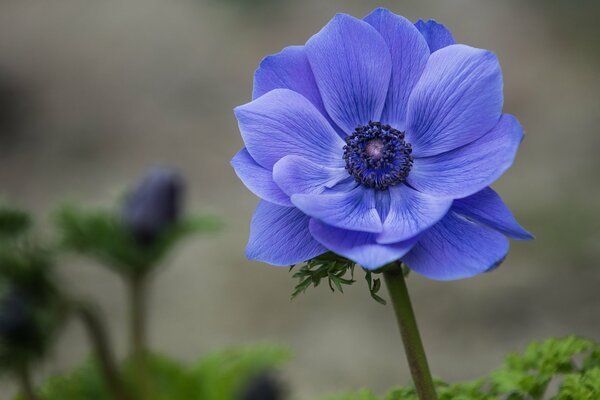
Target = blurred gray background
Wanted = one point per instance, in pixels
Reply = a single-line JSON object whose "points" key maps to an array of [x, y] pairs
{"points": [[93, 93]]}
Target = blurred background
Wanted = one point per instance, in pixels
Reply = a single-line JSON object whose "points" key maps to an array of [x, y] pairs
{"points": [[93, 93]]}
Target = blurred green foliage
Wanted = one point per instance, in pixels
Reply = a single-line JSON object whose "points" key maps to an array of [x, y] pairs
{"points": [[218, 376], [30, 309], [13, 222], [572, 362], [102, 235]]}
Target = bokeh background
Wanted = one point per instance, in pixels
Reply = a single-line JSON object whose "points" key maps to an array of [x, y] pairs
{"points": [[93, 93]]}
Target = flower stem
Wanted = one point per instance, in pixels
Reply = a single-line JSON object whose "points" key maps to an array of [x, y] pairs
{"points": [[25, 382], [413, 346], [137, 298], [105, 357], [137, 314]]}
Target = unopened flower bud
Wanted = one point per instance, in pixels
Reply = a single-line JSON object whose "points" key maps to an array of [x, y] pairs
{"points": [[153, 205]]}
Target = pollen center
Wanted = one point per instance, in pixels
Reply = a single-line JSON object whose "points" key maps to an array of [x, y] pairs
{"points": [[377, 156]]}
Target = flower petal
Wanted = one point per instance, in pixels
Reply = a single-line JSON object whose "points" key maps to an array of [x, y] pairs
{"points": [[352, 67], [360, 247], [410, 213], [409, 53], [295, 174], [349, 210], [289, 69], [455, 248], [486, 207], [258, 180], [465, 171], [457, 100], [283, 122], [436, 35], [280, 236]]}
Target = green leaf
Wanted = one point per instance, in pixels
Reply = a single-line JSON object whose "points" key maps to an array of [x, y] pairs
{"points": [[100, 234], [13, 222], [218, 376]]}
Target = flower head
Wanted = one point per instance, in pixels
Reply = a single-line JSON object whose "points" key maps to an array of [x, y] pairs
{"points": [[153, 205], [378, 140]]}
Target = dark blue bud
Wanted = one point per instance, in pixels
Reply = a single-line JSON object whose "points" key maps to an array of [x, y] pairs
{"points": [[153, 205], [17, 324], [262, 387]]}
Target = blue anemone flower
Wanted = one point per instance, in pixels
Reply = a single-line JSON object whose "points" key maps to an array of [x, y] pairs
{"points": [[378, 140]]}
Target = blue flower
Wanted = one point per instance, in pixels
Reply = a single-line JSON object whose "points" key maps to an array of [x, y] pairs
{"points": [[378, 140], [153, 205]]}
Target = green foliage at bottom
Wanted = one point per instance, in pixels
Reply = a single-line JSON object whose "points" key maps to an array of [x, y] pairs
{"points": [[218, 376], [572, 362]]}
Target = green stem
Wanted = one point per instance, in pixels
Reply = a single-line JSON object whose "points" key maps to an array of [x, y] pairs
{"points": [[137, 304], [137, 314], [25, 381], [99, 339], [413, 346]]}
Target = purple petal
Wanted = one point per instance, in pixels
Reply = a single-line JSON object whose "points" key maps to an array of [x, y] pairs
{"points": [[465, 171], [457, 100], [280, 236], [258, 180], [360, 247], [349, 210], [295, 174], [283, 122], [436, 35], [455, 248], [409, 53], [486, 207], [410, 213], [352, 66], [289, 69]]}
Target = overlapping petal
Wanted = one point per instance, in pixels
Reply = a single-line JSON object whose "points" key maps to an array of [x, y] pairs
{"points": [[289, 69], [486, 207], [294, 174], [258, 180], [436, 34], [280, 236], [457, 100], [352, 67], [410, 213], [354, 209], [283, 122], [456, 248], [467, 170], [360, 247], [409, 54]]}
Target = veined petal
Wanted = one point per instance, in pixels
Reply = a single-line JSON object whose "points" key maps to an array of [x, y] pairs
{"points": [[411, 212], [258, 180], [457, 100], [294, 174], [465, 171], [289, 69], [409, 53], [455, 248], [349, 210], [280, 236], [486, 207], [352, 66], [283, 122], [360, 247], [436, 35]]}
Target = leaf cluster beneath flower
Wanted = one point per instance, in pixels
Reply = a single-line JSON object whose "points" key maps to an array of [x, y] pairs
{"points": [[556, 369], [102, 235], [338, 271]]}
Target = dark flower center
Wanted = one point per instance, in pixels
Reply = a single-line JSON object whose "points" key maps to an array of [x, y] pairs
{"points": [[377, 156]]}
